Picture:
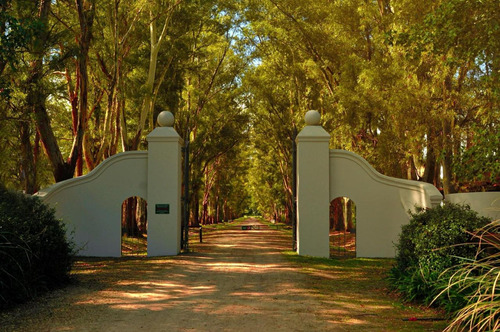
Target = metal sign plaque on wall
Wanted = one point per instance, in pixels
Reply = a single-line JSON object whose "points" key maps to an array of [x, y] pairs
{"points": [[162, 208]]}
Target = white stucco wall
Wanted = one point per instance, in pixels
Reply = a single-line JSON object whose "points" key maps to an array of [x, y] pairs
{"points": [[164, 187], [312, 192], [487, 204], [382, 202], [90, 205]]}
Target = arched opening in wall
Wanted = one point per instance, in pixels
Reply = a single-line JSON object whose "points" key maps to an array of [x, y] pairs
{"points": [[134, 224], [342, 228]]}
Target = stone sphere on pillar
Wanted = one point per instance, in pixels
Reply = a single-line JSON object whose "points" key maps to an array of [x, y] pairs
{"points": [[165, 119], [313, 118]]}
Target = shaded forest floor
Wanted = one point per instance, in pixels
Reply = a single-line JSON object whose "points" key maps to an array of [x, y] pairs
{"points": [[342, 244], [236, 280]]}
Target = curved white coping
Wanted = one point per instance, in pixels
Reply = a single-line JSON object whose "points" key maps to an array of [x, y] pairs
{"points": [[382, 202], [48, 192], [90, 205], [434, 194]]}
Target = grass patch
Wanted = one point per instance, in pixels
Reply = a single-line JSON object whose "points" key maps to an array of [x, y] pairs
{"points": [[328, 263], [224, 225], [237, 222], [194, 232], [134, 246], [220, 226], [359, 288]]}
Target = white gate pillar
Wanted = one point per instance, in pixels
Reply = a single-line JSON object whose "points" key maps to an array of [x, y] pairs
{"points": [[313, 188], [164, 188]]}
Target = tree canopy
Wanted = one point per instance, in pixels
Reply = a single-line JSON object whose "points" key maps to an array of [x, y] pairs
{"points": [[412, 86]]}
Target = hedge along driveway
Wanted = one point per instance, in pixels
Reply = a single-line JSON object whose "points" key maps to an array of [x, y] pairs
{"points": [[235, 281]]}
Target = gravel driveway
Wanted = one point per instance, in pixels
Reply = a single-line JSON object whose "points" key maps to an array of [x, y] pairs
{"points": [[237, 280]]}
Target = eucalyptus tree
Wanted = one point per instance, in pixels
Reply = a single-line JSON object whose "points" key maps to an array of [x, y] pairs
{"points": [[403, 83], [35, 76], [160, 16], [297, 67], [410, 85], [15, 34], [208, 112], [275, 117], [63, 169], [29, 37], [453, 46]]}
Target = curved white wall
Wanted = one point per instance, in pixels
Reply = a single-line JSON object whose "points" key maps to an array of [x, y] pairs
{"points": [[90, 205], [487, 204], [382, 202]]}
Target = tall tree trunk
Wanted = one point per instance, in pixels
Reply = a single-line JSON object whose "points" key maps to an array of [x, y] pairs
{"points": [[217, 209], [411, 169], [86, 12], [350, 212], [448, 185], [62, 170], [384, 7], [338, 216], [155, 46], [226, 211], [204, 213], [35, 99], [430, 164], [195, 206], [129, 217], [332, 216], [28, 166], [141, 216]]}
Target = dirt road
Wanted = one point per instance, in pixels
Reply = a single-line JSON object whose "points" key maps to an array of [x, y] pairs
{"points": [[237, 280]]}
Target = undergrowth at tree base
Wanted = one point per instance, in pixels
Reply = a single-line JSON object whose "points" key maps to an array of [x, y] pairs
{"points": [[444, 259], [35, 255]]}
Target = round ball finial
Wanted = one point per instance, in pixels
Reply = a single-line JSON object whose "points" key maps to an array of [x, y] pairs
{"points": [[165, 119], [313, 118]]}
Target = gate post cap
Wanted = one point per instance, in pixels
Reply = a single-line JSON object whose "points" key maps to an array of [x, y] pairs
{"points": [[165, 119], [313, 118]]}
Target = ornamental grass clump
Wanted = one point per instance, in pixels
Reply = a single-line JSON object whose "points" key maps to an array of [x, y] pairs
{"points": [[434, 241], [35, 255], [479, 281]]}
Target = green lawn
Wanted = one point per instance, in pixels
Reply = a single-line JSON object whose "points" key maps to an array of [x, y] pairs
{"points": [[361, 285]]}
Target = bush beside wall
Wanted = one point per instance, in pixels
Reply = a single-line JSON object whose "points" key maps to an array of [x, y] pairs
{"points": [[434, 241], [35, 255]]}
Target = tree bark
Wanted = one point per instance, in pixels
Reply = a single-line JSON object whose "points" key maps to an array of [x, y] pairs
{"points": [[350, 212], [28, 165], [448, 186], [86, 12], [148, 102], [412, 169], [35, 99], [129, 217], [195, 206], [62, 170], [430, 165]]}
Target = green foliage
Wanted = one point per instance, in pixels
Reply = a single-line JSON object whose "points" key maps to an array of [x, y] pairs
{"points": [[434, 240], [16, 33], [479, 162], [479, 280], [412, 86], [34, 251]]}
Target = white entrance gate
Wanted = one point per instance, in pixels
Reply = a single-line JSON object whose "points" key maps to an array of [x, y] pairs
{"points": [[90, 205], [382, 202]]}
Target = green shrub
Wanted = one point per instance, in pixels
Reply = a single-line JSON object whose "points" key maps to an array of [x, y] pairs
{"points": [[35, 255], [434, 240]]}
